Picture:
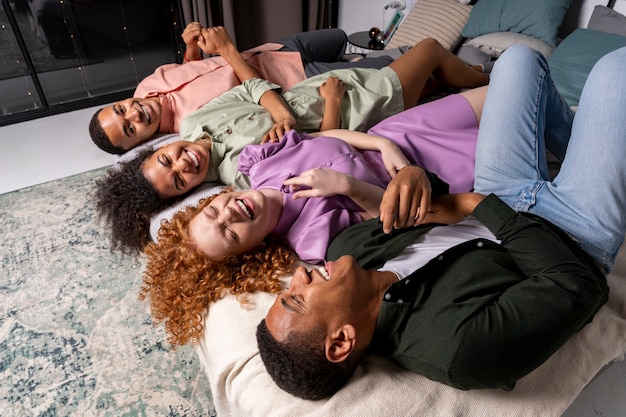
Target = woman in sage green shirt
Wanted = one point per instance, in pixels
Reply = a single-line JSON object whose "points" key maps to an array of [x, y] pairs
{"points": [[354, 99]]}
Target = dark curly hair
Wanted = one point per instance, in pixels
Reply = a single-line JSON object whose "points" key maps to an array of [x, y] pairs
{"points": [[299, 365], [181, 282], [100, 138], [126, 201]]}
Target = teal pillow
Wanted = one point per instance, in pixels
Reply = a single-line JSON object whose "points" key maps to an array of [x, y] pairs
{"points": [[538, 18], [572, 60]]}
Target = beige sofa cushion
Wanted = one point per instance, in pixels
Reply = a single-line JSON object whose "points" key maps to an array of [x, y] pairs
{"points": [[439, 19]]}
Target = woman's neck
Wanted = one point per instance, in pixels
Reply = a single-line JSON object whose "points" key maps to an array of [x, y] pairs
{"points": [[275, 202]]}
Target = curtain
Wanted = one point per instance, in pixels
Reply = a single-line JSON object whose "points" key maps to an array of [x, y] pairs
{"points": [[253, 22]]}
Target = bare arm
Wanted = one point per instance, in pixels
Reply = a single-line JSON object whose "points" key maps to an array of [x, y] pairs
{"points": [[393, 158], [216, 40], [404, 204], [452, 208], [332, 90]]}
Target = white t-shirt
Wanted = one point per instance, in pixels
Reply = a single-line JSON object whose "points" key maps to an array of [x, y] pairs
{"points": [[434, 242]]}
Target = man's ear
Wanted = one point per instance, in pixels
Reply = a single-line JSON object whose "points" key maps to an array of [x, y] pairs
{"points": [[340, 343]]}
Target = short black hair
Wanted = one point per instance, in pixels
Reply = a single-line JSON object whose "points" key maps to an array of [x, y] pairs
{"points": [[100, 138], [299, 365]]}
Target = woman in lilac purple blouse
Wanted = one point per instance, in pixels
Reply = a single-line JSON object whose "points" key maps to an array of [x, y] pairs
{"points": [[306, 190]]}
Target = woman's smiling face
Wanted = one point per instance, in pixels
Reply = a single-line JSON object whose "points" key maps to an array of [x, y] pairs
{"points": [[177, 168], [234, 223]]}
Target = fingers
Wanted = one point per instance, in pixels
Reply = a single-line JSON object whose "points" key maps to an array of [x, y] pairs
{"points": [[193, 28], [409, 209], [301, 186], [304, 178], [316, 182], [191, 35], [214, 40], [406, 200], [389, 206], [276, 133], [423, 209], [333, 84]]}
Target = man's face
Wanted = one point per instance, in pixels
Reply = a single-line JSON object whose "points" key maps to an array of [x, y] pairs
{"points": [[234, 223], [130, 122], [177, 168], [329, 298]]}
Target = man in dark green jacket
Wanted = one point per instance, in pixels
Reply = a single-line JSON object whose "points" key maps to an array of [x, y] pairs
{"points": [[493, 286]]}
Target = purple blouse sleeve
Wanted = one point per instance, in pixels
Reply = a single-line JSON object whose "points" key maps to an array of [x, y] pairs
{"points": [[253, 154]]}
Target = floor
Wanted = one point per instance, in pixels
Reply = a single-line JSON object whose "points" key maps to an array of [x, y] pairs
{"points": [[47, 149], [58, 146]]}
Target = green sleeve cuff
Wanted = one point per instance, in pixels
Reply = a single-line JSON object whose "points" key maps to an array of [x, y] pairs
{"points": [[258, 86]]}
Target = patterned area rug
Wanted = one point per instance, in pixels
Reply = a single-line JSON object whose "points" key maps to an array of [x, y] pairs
{"points": [[74, 338]]}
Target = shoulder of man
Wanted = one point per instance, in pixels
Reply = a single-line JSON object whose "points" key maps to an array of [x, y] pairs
{"points": [[370, 246]]}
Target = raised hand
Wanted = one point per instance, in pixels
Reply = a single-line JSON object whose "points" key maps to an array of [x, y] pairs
{"points": [[191, 35], [216, 41]]}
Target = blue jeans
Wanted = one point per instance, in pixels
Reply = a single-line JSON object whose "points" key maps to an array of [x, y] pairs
{"points": [[322, 51], [524, 115]]}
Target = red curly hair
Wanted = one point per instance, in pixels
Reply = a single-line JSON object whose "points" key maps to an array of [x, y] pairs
{"points": [[181, 282]]}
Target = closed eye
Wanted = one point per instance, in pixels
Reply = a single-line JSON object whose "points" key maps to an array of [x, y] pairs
{"points": [[164, 160], [291, 303], [214, 213], [232, 234], [297, 301], [179, 182]]}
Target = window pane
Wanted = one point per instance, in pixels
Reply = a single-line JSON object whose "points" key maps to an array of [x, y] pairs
{"points": [[18, 91], [81, 49]]}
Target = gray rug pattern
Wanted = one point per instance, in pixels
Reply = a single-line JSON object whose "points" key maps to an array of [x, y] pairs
{"points": [[74, 338]]}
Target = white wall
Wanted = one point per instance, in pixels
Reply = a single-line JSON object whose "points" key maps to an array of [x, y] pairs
{"points": [[360, 15]]}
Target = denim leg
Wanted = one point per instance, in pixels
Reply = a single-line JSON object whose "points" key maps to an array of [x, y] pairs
{"points": [[588, 196], [322, 51], [523, 113]]}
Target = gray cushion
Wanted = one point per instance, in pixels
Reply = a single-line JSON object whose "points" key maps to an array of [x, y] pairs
{"points": [[607, 20]]}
